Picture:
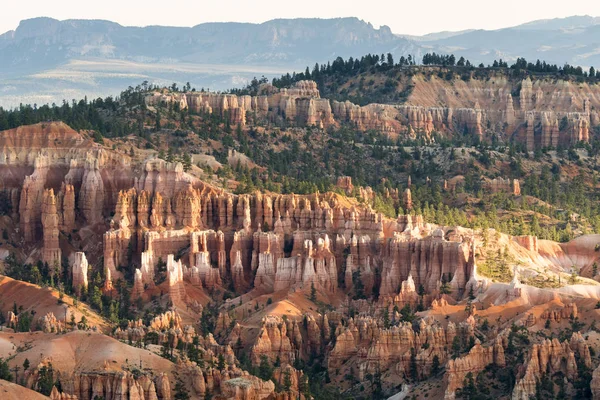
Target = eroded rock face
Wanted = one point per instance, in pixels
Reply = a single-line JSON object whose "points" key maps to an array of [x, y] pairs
{"points": [[53, 156], [50, 324], [32, 198], [114, 385], [175, 280], [51, 253], [535, 118], [511, 186], [273, 342], [376, 348], [79, 268], [167, 326], [426, 260], [569, 311], [312, 241], [246, 387], [474, 362], [280, 244], [300, 104], [91, 195], [551, 356]]}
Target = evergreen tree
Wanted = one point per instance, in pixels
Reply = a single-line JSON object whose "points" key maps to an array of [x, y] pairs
{"points": [[181, 392], [265, 371], [435, 365], [5, 370], [45, 380], [359, 287], [187, 162], [414, 372], [287, 380]]}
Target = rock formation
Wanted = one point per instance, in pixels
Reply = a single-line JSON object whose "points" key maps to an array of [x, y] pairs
{"points": [[174, 279], [532, 117], [91, 195], [550, 356], [51, 253], [474, 362], [110, 385], [358, 277], [511, 186], [273, 342], [79, 268]]}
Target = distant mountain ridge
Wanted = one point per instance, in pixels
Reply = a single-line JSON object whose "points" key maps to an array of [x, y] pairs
{"points": [[281, 41], [46, 60]]}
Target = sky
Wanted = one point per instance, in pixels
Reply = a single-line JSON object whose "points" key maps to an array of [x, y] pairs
{"points": [[403, 17]]}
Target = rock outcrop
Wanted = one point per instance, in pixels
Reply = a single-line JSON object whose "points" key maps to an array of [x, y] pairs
{"points": [[111, 385], [478, 358], [79, 270], [551, 356], [51, 253], [273, 342], [478, 107]]}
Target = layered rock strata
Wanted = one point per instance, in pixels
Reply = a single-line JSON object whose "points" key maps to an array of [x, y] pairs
{"points": [[478, 107]]}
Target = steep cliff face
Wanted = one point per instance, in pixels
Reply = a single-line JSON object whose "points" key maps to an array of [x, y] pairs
{"points": [[540, 113], [53, 156], [300, 104], [314, 240], [427, 260]]}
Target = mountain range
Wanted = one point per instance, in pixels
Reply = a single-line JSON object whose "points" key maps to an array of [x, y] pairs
{"points": [[45, 60]]}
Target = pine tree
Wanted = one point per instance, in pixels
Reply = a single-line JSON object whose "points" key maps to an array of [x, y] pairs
{"points": [[414, 372], [157, 122], [187, 162], [386, 318], [456, 347], [435, 365], [287, 379], [5, 370], [45, 380], [181, 392], [265, 371], [471, 293]]}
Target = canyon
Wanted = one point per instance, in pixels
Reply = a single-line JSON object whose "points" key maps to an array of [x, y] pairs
{"points": [[313, 276]]}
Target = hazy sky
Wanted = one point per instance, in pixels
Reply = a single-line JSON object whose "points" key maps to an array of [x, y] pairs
{"points": [[409, 17]]}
